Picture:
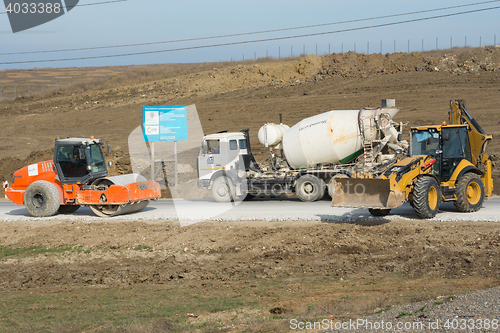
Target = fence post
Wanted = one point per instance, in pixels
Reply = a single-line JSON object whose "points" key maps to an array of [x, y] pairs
{"points": [[291, 50], [408, 46], [354, 47], [15, 92], [316, 49], [0, 93]]}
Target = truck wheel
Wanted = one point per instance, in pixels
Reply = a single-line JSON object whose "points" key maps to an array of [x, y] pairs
{"points": [[42, 199], [249, 197], [310, 188], [379, 212], [68, 209], [470, 193], [223, 189], [426, 197]]}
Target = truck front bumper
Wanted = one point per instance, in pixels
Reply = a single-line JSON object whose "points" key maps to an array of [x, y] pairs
{"points": [[203, 183]]}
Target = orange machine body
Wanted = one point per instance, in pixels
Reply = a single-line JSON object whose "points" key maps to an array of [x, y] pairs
{"points": [[75, 194]]}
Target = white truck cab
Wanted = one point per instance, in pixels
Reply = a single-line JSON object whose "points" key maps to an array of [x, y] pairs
{"points": [[222, 164]]}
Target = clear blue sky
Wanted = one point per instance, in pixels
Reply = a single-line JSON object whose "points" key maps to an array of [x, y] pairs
{"points": [[136, 21]]}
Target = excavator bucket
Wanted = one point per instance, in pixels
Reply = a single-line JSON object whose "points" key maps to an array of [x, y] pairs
{"points": [[367, 193]]}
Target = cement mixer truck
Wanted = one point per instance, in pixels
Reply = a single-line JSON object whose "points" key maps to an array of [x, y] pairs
{"points": [[305, 158]]}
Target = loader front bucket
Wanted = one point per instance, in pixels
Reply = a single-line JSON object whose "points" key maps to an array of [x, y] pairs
{"points": [[367, 193]]}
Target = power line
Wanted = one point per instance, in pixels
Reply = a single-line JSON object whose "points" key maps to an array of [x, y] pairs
{"points": [[253, 41], [247, 33], [87, 4]]}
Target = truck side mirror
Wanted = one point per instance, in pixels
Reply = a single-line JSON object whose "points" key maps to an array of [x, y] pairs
{"points": [[109, 148]]}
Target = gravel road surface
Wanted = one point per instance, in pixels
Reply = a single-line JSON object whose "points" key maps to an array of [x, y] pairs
{"points": [[191, 211], [475, 312]]}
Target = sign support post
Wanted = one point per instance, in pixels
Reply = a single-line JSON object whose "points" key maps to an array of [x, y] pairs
{"points": [[164, 123], [175, 162], [152, 148]]}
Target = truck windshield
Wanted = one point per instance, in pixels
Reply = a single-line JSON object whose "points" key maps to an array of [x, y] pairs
{"points": [[96, 159], [424, 142], [211, 147]]}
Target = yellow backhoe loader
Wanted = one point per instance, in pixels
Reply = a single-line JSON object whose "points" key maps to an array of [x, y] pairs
{"points": [[445, 163]]}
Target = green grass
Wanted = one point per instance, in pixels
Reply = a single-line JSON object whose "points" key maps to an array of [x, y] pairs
{"points": [[143, 248], [10, 252], [403, 314], [84, 308], [421, 309]]}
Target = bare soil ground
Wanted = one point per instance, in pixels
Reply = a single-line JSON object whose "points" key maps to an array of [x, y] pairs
{"points": [[272, 270], [139, 277]]}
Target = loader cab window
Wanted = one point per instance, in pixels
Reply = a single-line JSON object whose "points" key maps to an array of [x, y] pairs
{"points": [[242, 143], [425, 142], [455, 148], [456, 143]]}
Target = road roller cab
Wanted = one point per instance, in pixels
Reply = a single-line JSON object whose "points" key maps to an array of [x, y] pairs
{"points": [[79, 160], [77, 176]]}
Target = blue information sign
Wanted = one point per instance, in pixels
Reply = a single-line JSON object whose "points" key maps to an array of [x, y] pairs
{"points": [[164, 123]]}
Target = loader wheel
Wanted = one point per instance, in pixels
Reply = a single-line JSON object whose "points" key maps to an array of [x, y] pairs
{"points": [[68, 209], [426, 197], [223, 189], [42, 199], [310, 188], [379, 212], [470, 193]]}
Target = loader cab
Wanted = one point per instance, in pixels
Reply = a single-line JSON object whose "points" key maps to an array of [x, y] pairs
{"points": [[449, 145], [79, 160]]}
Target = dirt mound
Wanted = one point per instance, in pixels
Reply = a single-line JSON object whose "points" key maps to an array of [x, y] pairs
{"points": [[475, 61], [121, 254], [354, 64]]}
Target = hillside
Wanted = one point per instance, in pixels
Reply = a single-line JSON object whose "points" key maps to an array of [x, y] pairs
{"points": [[233, 96]]}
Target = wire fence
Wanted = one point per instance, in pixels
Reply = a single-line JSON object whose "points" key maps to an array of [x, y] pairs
{"points": [[13, 91], [393, 46]]}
